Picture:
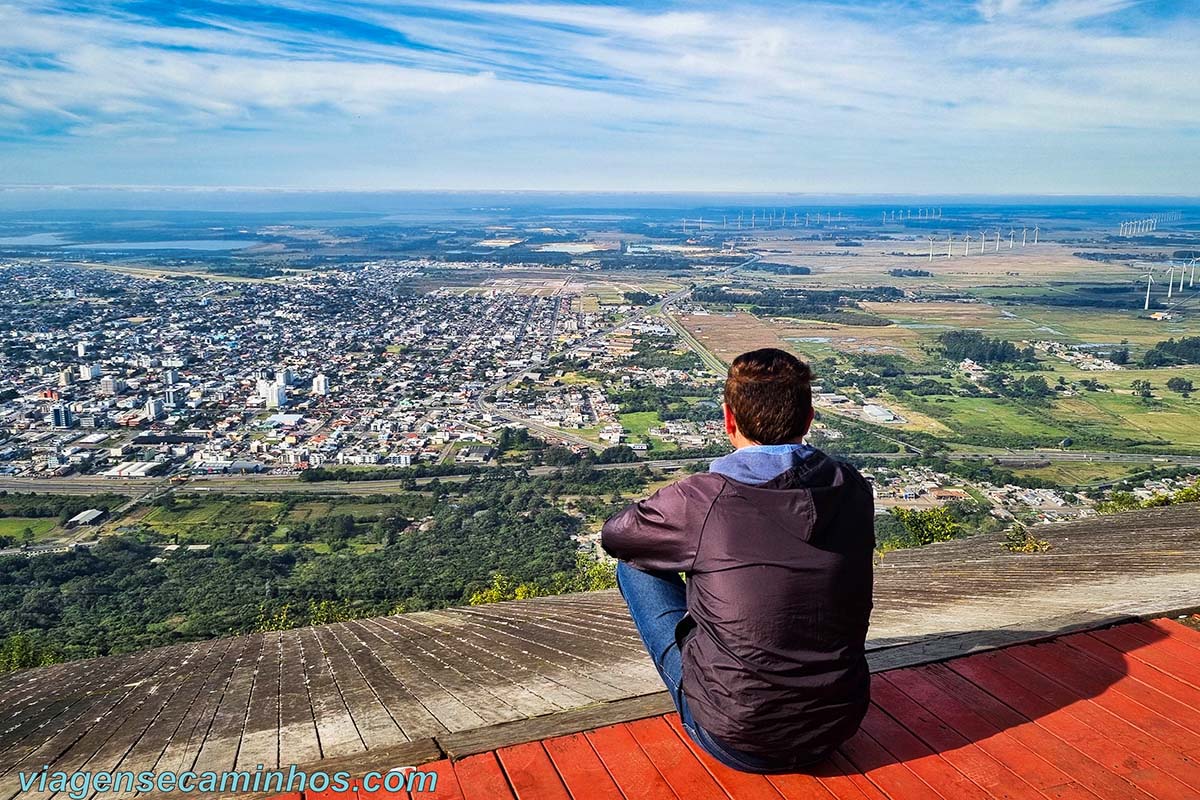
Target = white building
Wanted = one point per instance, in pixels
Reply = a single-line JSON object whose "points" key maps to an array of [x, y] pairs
{"points": [[320, 385], [277, 396]]}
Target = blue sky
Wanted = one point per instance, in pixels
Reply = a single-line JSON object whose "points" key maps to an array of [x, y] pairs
{"points": [[966, 97]]}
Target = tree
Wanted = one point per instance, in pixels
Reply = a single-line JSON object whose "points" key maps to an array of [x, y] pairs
{"points": [[1142, 388], [929, 525], [1120, 355], [1181, 385]]}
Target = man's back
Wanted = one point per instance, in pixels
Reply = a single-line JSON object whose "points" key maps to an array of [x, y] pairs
{"points": [[778, 598]]}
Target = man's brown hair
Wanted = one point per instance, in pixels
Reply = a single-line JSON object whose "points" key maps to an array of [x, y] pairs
{"points": [[769, 392]]}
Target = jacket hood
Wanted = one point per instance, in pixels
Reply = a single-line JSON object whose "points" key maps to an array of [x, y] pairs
{"points": [[779, 466]]}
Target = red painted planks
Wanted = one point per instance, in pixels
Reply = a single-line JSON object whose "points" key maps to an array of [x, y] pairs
{"points": [[531, 773], [916, 755], [739, 785], [1033, 737], [480, 778], [1162, 658], [630, 768], [1129, 699], [675, 762], [965, 721], [968, 758], [885, 771], [1034, 697], [581, 769], [1186, 698], [1173, 634]]}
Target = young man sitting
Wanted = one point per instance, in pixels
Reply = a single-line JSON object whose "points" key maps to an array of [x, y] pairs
{"points": [[763, 647]]}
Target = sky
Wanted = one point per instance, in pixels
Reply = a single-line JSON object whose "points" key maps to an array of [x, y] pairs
{"points": [[844, 96]]}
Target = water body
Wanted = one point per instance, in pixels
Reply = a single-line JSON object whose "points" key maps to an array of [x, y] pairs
{"points": [[207, 245], [33, 240]]}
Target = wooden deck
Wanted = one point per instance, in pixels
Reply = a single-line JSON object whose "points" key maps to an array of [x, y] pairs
{"points": [[414, 687], [1105, 715]]}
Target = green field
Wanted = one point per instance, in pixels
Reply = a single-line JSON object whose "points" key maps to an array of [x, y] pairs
{"points": [[1082, 474], [638, 423], [15, 526]]}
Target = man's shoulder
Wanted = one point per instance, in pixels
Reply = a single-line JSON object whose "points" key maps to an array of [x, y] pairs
{"points": [[702, 484]]}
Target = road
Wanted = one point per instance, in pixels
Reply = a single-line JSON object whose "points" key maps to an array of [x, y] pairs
{"points": [[254, 484]]}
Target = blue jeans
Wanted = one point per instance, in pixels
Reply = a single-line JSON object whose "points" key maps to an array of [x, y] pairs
{"points": [[657, 603]]}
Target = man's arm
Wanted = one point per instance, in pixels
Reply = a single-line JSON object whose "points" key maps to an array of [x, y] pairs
{"points": [[662, 532]]}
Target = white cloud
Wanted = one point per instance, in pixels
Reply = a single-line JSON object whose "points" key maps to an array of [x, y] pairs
{"points": [[524, 81]]}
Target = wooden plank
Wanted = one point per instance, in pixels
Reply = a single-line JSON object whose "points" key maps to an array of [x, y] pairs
{"points": [[839, 776], [928, 649], [1182, 669], [990, 775], [629, 767], [87, 742], [1036, 739], [481, 778], [224, 735], [489, 693], [1114, 692], [531, 773], [453, 713], [1176, 630], [581, 769], [557, 683], [180, 749], [1137, 729], [260, 739], [376, 724], [148, 750], [298, 741], [739, 785], [69, 733], [336, 731], [617, 666], [29, 739], [1185, 699], [868, 757], [674, 761], [1007, 681], [904, 747], [158, 715], [408, 710], [969, 726], [464, 743]]}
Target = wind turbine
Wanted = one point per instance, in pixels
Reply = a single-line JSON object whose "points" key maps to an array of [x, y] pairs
{"points": [[1149, 280], [982, 241], [930, 249], [1024, 234], [1035, 234], [1181, 271], [967, 249], [1012, 235], [1170, 280], [950, 246], [997, 240], [1192, 280]]}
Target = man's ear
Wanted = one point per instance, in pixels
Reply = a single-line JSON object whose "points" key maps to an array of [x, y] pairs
{"points": [[730, 422], [812, 414]]}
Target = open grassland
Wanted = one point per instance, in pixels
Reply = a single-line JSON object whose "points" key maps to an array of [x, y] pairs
{"points": [[638, 423], [15, 526], [1082, 473], [1031, 265], [728, 335]]}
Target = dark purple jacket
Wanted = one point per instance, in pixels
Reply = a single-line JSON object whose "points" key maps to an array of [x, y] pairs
{"points": [[778, 597]]}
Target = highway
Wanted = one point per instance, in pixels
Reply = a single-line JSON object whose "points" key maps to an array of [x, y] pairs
{"points": [[254, 484]]}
